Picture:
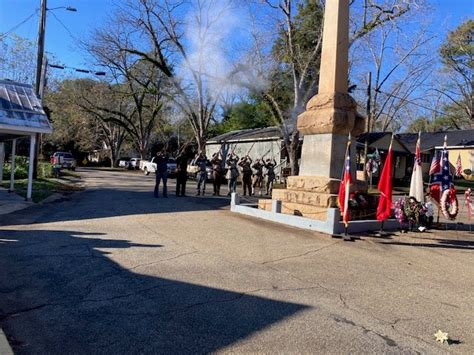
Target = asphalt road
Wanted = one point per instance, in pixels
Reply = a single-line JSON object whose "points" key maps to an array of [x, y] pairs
{"points": [[114, 270]]}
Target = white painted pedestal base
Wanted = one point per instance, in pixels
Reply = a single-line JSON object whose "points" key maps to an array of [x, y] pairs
{"points": [[332, 225]]}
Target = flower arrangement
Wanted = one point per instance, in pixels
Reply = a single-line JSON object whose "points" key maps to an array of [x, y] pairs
{"points": [[410, 210]]}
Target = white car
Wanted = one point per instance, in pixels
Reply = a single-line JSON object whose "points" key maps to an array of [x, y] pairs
{"points": [[150, 167], [133, 163]]}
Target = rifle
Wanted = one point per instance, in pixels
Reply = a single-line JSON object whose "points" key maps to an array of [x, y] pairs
{"points": [[233, 149], [250, 149], [266, 154], [184, 146]]}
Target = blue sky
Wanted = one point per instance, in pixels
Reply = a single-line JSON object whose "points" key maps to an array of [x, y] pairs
{"points": [[91, 13]]}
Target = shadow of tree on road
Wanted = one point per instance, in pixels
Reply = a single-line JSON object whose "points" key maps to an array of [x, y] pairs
{"points": [[60, 293]]}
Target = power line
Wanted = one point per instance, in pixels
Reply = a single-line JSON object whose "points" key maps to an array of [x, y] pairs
{"points": [[407, 101], [57, 66], [18, 25], [412, 102], [65, 27]]}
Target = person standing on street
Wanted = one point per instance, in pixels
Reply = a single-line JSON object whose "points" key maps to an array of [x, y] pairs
{"points": [[201, 162], [216, 173], [257, 178], [181, 173], [270, 175], [246, 165], [161, 172], [232, 172]]}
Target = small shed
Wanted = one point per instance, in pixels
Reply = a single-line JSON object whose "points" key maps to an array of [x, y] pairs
{"points": [[21, 116], [257, 143]]}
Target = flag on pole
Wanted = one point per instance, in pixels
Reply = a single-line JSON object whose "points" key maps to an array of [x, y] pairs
{"points": [[442, 180], [384, 209], [458, 166], [416, 184], [435, 164], [344, 187]]}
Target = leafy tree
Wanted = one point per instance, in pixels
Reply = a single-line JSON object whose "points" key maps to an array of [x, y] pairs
{"points": [[77, 126], [17, 59], [247, 115], [457, 56]]}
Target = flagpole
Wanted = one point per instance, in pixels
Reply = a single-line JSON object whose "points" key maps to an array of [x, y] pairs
{"points": [[347, 237], [382, 233]]}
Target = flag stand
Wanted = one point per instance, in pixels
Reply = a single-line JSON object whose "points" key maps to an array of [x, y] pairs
{"points": [[346, 236], [381, 232]]}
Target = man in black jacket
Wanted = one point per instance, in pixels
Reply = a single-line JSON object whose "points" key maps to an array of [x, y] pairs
{"points": [[181, 174], [161, 161]]}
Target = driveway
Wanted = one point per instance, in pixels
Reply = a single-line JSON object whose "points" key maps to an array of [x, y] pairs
{"points": [[114, 270]]}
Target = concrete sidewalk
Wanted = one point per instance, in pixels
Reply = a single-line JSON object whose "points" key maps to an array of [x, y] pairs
{"points": [[11, 202]]}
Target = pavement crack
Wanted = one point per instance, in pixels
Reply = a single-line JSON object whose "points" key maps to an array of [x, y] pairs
{"points": [[389, 341], [299, 255], [25, 310], [162, 260]]}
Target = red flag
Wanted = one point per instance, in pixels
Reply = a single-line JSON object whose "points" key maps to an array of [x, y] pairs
{"points": [[344, 187], [384, 209], [458, 166]]}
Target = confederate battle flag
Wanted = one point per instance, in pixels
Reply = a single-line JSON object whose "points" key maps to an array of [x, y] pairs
{"points": [[384, 209], [441, 180]]}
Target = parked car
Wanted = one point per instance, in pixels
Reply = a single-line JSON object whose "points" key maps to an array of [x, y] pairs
{"points": [[129, 163], [193, 169], [123, 162], [150, 167], [64, 159]]}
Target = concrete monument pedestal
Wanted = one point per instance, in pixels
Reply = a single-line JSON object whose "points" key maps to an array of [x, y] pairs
{"points": [[310, 199], [330, 117]]}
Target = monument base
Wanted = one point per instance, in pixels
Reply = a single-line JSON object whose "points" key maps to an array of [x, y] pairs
{"points": [[309, 196], [330, 224]]}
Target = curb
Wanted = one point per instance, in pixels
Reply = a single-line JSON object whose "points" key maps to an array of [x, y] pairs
{"points": [[5, 348]]}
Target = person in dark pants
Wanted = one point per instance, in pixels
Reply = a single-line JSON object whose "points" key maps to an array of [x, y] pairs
{"points": [[181, 174], [201, 177], [257, 176], [270, 175], [161, 161], [246, 165], [217, 173], [232, 172]]}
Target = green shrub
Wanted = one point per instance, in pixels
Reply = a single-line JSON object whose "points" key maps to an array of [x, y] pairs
{"points": [[45, 170], [21, 169], [20, 172]]}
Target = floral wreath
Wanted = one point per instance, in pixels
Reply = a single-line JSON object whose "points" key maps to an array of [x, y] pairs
{"points": [[413, 209], [449, 204]]}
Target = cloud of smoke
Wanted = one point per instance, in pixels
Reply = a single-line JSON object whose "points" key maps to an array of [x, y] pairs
{"points": [[215, 33]]}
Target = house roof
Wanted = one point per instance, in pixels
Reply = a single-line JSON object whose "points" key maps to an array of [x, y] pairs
{"points": [[430, 140], [373, 137], [21, 111]]}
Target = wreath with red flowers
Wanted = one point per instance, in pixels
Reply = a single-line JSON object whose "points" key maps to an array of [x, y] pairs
{"points": [[449, 204]]}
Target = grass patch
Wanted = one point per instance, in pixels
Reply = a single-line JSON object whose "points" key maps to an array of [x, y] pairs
{"points": [[42, 188]]}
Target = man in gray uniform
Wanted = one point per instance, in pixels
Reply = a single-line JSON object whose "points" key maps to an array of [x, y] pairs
{"points": [[201, 177]]}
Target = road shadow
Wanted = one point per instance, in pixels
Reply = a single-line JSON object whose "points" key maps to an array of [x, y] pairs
{"points": [[438, 243], [60, 293], [110, 202]]}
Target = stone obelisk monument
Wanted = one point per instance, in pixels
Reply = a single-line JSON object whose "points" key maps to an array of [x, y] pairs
{"points": [[329, 117]]}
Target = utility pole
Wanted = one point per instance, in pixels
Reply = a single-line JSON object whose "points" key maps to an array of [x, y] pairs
{"points": [[39, 77], [367, 127], [39, 59]]}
